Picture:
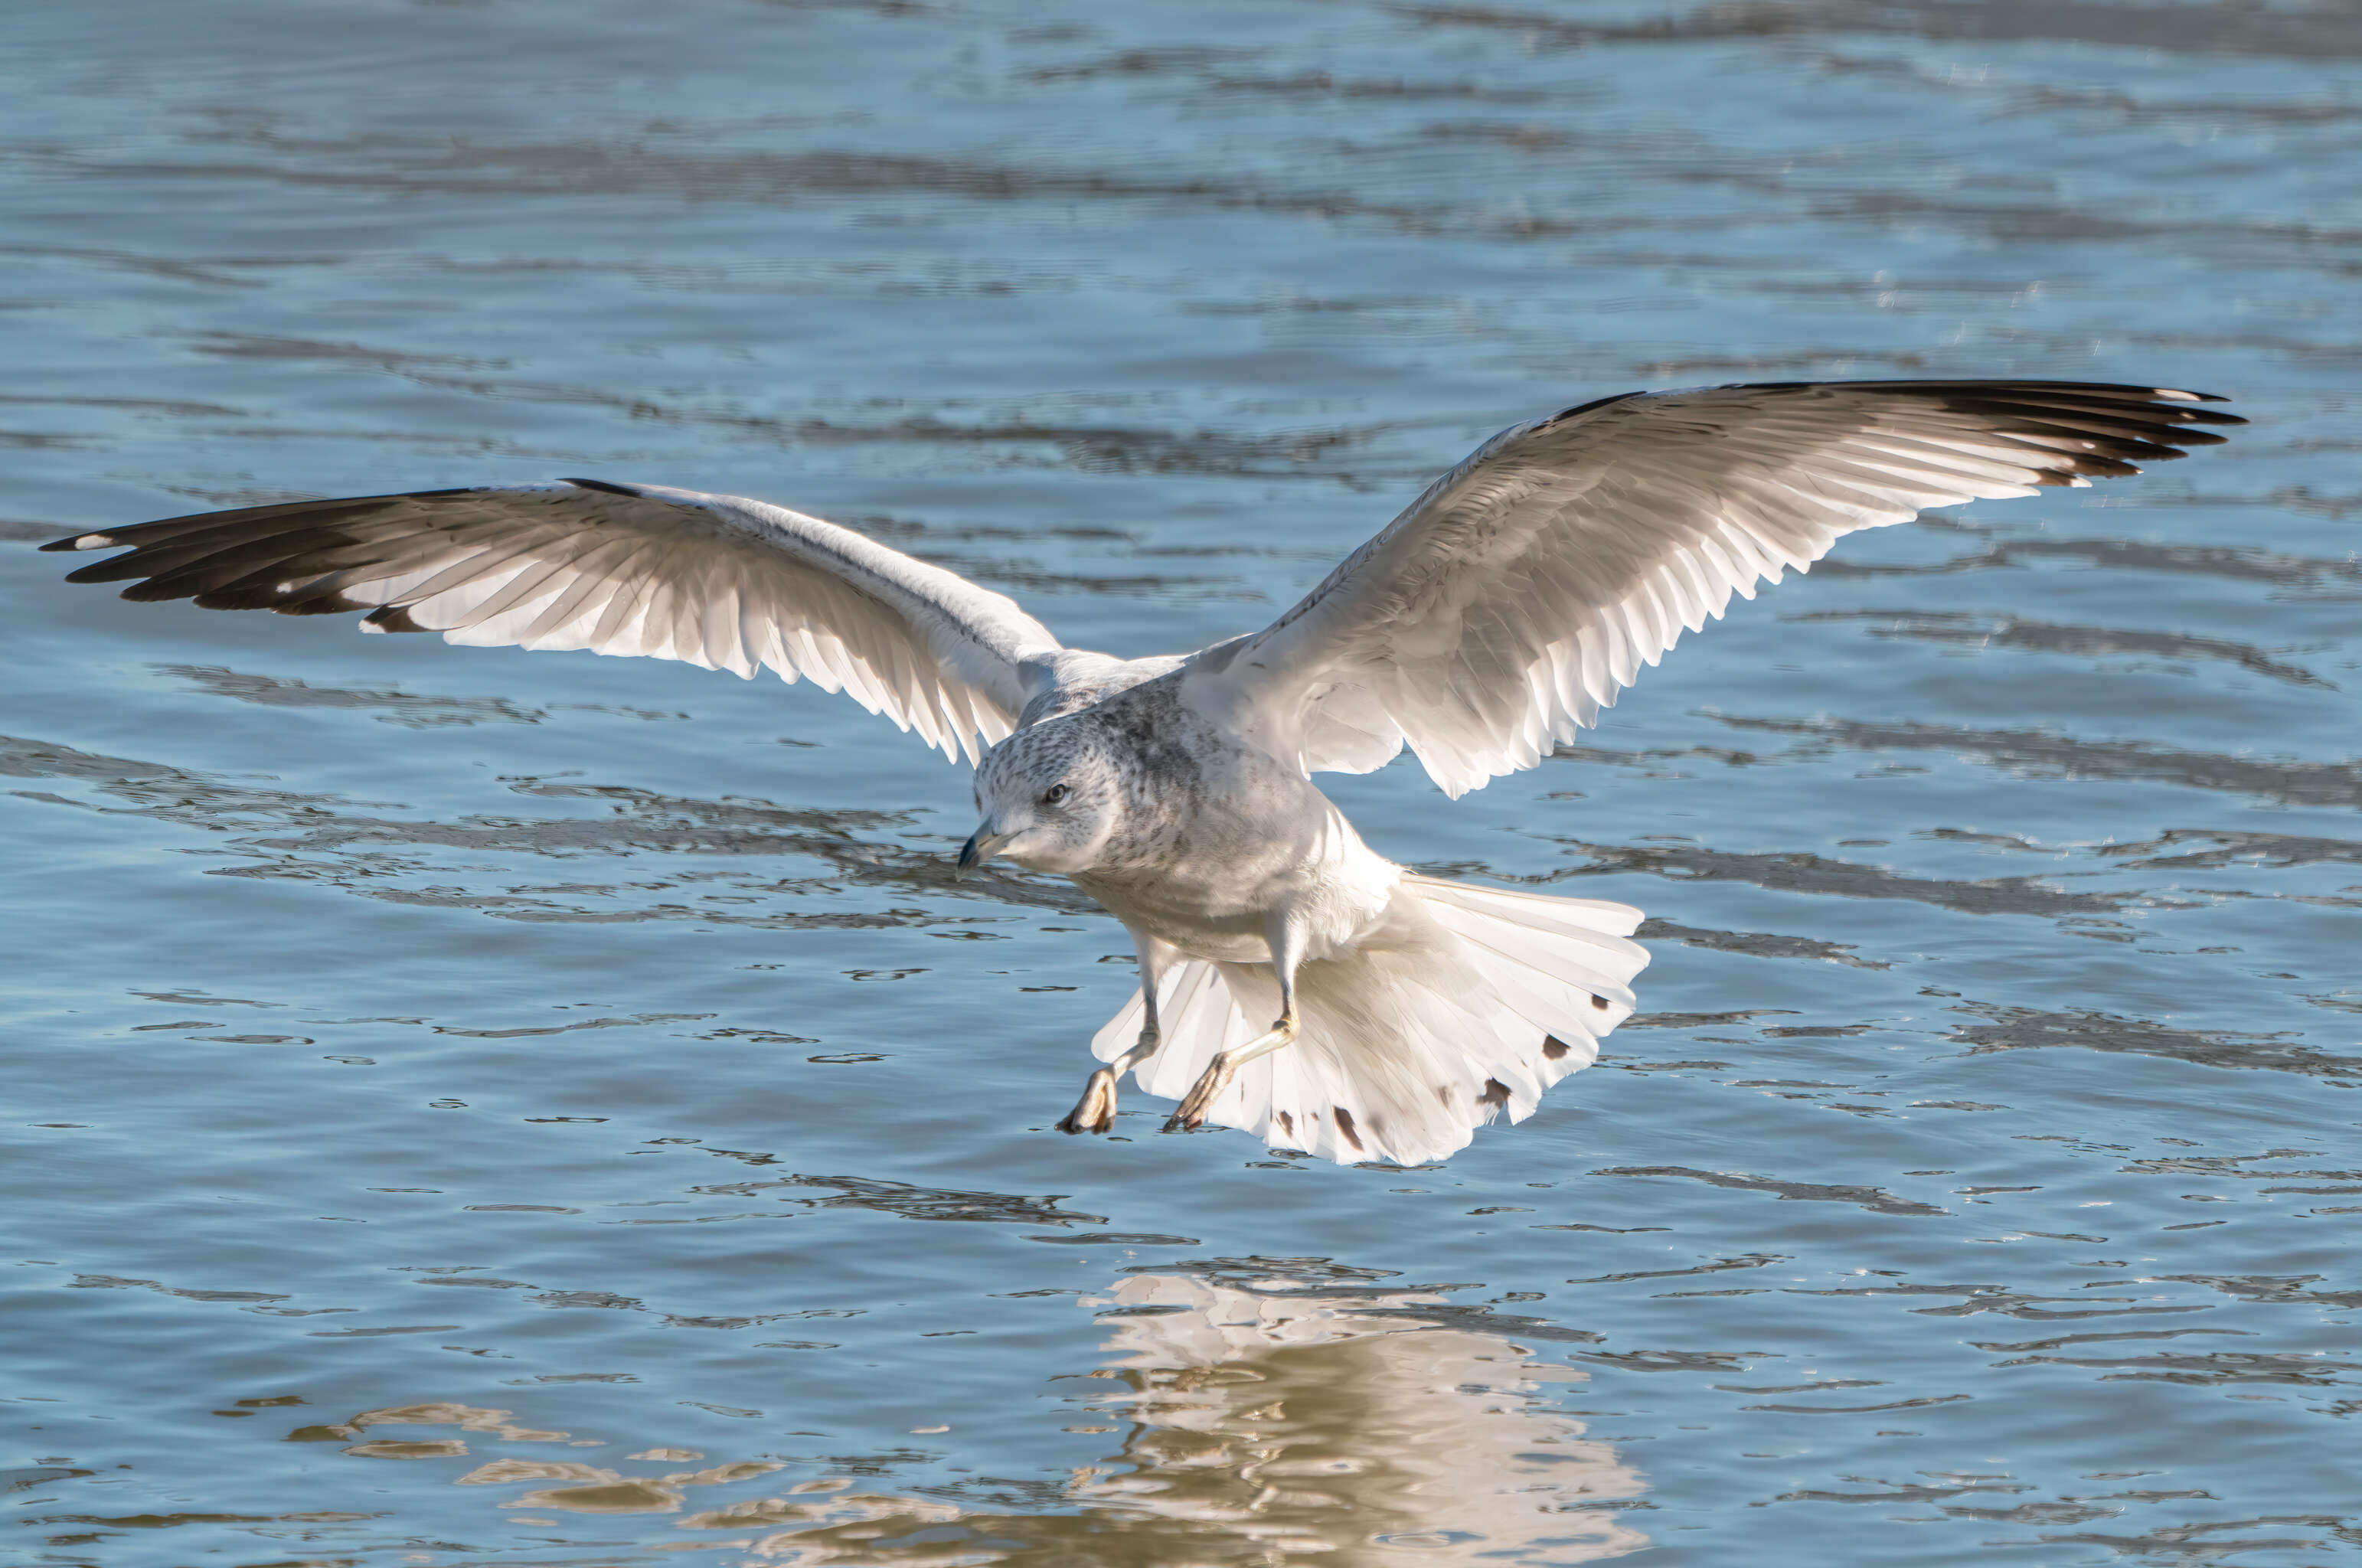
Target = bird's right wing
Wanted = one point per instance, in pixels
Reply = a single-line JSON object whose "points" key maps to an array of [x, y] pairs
{"points": [[716, 580], [1515, 598]]}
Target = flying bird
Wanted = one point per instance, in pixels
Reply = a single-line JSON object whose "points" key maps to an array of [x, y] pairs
{"points": [[1292, 982]]}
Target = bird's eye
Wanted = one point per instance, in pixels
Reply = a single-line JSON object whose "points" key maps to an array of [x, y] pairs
{"points": [[1055, 793]]}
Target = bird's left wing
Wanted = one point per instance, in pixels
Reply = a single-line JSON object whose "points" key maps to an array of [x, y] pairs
{"points": [[1525, 586], [716, 580]]}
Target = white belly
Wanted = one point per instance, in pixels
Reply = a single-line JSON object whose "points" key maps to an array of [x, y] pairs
{"points": [[1224, 903]]}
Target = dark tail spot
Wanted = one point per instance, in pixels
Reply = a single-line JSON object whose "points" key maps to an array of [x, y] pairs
{"points": [[1345, 1125], [1553, 1047], [1497, 1093], [1286, 1124], [1599, 1003]]}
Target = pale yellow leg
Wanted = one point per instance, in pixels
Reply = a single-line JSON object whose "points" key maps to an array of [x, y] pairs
{"points": [[1095, 1112], [1286, 952], [1224, 1067]]}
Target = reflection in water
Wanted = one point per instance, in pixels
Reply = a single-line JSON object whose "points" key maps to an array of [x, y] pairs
{"points": [[1310, 1424], [1263, 1421]]}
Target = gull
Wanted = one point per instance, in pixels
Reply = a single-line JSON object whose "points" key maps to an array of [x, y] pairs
{"points": [[1293, 982]]}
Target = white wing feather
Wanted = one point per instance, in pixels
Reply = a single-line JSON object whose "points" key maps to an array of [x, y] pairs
{"points": [[1528, 586], [715, 580]]}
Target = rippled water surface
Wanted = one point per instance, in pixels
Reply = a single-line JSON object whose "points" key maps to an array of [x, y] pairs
{"points": [[1979, 1184]]}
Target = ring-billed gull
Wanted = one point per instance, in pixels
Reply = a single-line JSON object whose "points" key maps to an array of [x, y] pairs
{"points": [[1489, 621]]}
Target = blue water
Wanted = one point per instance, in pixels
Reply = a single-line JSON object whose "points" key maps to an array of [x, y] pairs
{"points": [[1978, 1186]]}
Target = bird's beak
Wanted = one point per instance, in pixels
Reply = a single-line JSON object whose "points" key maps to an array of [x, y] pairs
{"points": [[981, 847]]}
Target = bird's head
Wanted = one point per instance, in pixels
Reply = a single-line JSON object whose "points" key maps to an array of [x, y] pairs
{"points": [[1051, 796]]}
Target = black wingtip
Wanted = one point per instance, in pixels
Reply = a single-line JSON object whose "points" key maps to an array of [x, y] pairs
{"points": [[602, 485], [1580, 409]]}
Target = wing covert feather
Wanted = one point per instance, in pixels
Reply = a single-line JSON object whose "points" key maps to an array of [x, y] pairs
{"points": [[715, 580], [1516, 596]]}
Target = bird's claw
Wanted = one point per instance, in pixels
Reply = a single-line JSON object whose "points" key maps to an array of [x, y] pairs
{"points": [[1095, 1112], [1200, 1100]]}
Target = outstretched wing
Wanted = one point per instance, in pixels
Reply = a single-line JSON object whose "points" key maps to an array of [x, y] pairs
{"points": [[715, 580], [1528, 586]]}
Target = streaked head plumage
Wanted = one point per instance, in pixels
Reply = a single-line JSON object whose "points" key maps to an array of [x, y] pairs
{"points": [[1050, 796]]}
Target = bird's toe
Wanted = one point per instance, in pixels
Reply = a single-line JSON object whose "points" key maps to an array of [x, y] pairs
{"points": [[1095, 1112], [1191, 1115]]}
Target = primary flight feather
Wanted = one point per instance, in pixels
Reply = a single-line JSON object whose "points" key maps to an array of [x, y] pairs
{"points": [[1506, 606]]}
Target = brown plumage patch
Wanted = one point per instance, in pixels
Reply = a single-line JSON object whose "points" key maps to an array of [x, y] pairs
{"points": [[1497, 1093], [1345, 1125], [1553, 1047], [1286, 1124], [393, 618], [1443, 1093], [1599, 1003]]}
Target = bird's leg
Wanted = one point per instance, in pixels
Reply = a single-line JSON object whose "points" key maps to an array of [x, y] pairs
{"points": [[1286, 952], [1095, 1112], [1223, 1068]]}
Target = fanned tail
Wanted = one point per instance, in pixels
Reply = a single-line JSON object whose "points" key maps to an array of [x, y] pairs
{"points": [[1478, 1001]]}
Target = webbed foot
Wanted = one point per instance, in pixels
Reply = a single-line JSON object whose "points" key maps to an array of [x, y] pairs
{"points": [[1202, 1094], [1095, 1112]]}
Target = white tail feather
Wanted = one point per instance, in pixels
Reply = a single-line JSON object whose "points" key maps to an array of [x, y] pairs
{"points": [[1481, 998]]}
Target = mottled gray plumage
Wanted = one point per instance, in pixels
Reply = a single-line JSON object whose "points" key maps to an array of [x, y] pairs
{"points": [[1497, 614]]}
